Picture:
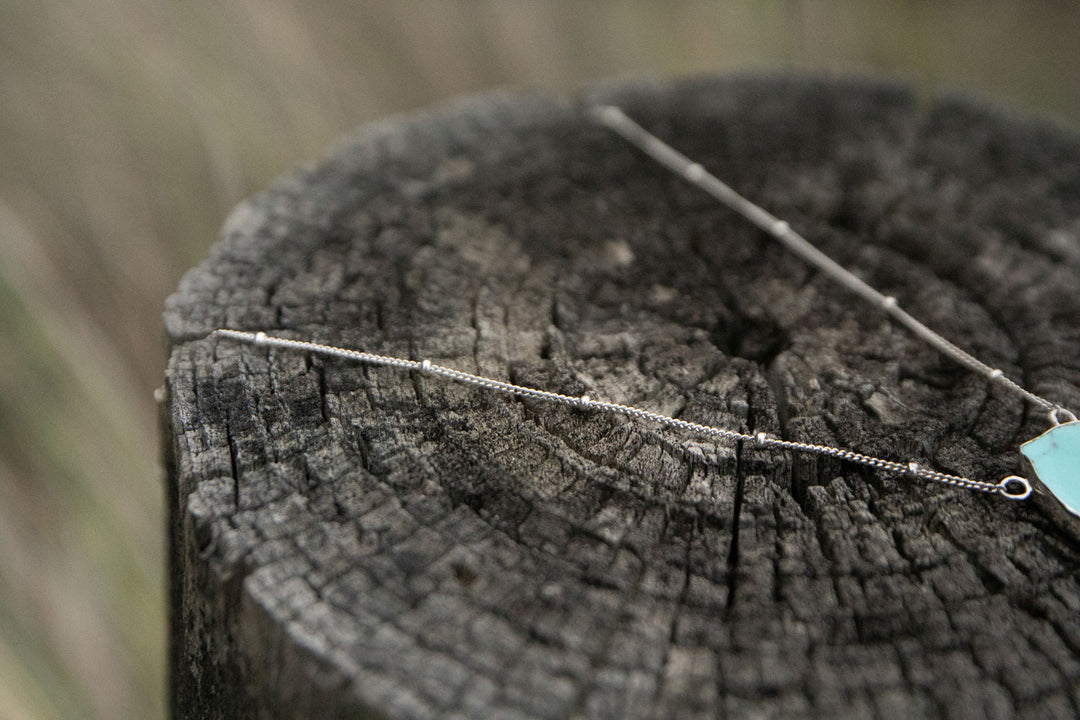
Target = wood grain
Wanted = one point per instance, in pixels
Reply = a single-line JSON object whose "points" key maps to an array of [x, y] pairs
{"points": [[357, 542]]}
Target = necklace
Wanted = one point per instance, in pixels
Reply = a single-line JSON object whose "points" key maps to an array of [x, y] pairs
{"points": [[1051, 459]]}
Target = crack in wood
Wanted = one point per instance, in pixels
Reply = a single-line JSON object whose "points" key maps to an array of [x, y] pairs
{"points": [[733, 550]]}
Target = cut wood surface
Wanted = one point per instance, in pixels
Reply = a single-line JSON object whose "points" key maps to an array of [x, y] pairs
{"points": [[349, 541]]}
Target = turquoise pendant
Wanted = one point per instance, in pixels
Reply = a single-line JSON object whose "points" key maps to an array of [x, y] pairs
{"points": [[1054, 457]]}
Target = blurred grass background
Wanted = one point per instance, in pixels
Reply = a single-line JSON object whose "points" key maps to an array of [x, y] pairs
{"points": [[129, 128]]}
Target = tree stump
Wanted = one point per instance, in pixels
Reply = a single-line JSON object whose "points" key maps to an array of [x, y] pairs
{"points": [[349, 541]]}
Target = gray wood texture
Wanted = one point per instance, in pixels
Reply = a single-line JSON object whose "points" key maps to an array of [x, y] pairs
{"points": [[358, 542]]}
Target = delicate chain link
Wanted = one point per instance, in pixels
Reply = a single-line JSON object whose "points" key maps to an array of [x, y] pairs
{"points": [[667, 156], [1013, 487]]}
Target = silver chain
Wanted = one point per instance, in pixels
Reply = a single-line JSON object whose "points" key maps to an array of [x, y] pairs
{"points": [[1013, 487], [615, 119]]}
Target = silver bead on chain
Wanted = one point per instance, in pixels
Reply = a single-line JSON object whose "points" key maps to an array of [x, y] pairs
{"points": [[1013, 487]]}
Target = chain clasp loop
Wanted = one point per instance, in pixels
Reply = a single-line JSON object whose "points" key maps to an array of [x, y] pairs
{"points": [[1058, 413], [1015, 487]]}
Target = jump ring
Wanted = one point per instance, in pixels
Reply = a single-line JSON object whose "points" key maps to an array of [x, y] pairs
{"points": [[1007, 488], [1059, 412]]}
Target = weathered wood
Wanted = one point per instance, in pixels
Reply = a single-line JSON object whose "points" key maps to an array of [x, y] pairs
{"points": [[357, 542]]}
